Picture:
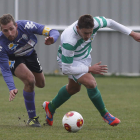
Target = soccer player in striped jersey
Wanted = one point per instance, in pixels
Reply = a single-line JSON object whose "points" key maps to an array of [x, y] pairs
{"points": [[74, 60], [18, 57]]}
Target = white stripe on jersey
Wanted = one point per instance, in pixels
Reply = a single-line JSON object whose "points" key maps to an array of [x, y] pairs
{"points": [[101, 22], [67, 53]]}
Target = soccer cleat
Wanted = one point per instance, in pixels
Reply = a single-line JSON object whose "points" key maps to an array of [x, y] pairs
{"points": [[33, 122], [111, 120], [49, 115]]}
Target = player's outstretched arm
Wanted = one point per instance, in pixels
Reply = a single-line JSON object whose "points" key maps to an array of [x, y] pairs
{"points": [[98, 69], [12, 94], [135, 35]]}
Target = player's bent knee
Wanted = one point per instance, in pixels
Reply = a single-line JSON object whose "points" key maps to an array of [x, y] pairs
{"points": [[91, 84], [30, 82], [40, 84]]}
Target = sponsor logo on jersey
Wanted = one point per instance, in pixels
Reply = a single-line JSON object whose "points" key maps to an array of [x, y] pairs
{"points": [[91, 38], [11, 64], [30, 25], [12, 46], [0, 48], [25, 37]]}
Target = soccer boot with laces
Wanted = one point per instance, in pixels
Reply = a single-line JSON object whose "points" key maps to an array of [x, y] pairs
{"points": [[49, 115], [111, 120], [33, 122]]}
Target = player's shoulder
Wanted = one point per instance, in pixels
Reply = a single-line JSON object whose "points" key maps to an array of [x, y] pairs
{"points": [[96, 23], [22, 22], [26, 24], [99, 20], [69, 35]]}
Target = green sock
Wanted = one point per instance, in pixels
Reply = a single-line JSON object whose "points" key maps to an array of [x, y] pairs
{"points": [[96, 98], [59, 99]]}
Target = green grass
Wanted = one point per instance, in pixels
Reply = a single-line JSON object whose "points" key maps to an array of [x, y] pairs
{"points": [[121, 96]]}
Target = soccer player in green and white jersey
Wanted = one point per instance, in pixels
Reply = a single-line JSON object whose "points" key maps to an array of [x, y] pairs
{"points": [[74, 60]]}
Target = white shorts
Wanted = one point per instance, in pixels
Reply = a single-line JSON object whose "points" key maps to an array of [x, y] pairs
{"points": [[75, 77]]}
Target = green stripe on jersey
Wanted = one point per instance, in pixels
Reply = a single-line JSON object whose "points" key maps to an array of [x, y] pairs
{"points": [[59, 50], [89, 50], [104, 21], [84, 47], [68, 47], [73, 48], [67, 60], [75, 31], [96, 29], [79, 42], [98, 21]]}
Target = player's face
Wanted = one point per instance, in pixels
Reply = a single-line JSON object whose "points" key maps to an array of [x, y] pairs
{"points": [[85, 33], [10, 30]]}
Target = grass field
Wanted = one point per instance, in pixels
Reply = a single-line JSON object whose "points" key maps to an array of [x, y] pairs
{"points": [[121, 96]]}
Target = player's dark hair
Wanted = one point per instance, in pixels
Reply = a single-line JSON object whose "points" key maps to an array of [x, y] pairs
{"points": [[86, 21], [6, 18]]}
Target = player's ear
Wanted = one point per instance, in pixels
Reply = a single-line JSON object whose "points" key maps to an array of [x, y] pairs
{"points": [[77, 27], [16, 25], [0, 28]]}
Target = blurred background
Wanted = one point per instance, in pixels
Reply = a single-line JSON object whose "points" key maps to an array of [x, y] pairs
{"points": [[120, 52]]}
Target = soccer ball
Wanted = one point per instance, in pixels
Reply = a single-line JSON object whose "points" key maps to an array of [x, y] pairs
{"points": [[72, 121]]}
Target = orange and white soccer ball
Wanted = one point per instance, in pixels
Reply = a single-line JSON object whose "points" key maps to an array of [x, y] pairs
{"points": [[72, 121]]}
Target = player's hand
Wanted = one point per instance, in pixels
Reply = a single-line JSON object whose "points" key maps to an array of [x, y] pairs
{"points": [[98, 69], [12, 94], [135, 35], [49, 40]]}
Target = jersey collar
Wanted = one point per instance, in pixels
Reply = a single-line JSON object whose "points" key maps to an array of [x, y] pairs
{"points": [[75, 29]]}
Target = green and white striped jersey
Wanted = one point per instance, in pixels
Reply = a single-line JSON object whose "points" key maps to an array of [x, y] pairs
{"points": [[73, 46]]}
